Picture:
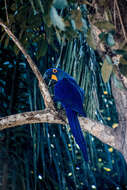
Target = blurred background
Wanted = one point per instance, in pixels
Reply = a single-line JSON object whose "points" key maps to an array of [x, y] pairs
{"points": [[45, 156]]}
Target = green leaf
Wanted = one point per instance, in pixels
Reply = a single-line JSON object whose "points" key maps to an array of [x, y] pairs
{"points": [[106, 70], [35, 20], [123, 69], [123, 61], [41, 6], [102, 3], [110, 40], [102, 35], [2, 38], [124, 47], [11, 18], [16, 50], [6, 42], [90, 40], [105, 25], [70, 33], [42, 49], [108, 59], [13, 7], [117, 82], [77, 17], [120, 51], [47, 20], [33, 6]]}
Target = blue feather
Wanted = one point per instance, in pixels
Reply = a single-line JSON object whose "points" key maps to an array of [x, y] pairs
{"points": [[76, 131]]}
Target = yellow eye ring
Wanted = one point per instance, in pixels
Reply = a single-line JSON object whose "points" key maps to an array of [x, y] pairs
{"points": [[54, 70]]}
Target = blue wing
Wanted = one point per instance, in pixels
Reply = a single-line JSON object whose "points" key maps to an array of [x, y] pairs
{"points": [[80, 90], [71, 96]]}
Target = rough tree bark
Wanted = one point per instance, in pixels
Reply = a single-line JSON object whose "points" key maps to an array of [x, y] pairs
{"points": [[113, 137], [103, 132], [120, 97]]}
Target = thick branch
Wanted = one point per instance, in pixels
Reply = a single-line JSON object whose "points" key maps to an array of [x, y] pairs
{"points": [[43, 88], [42, 116], [102, 132], [120, 97]]}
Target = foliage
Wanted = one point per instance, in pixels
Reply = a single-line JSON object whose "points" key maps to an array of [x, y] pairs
{"points": [[46, 156], [107, 31]]}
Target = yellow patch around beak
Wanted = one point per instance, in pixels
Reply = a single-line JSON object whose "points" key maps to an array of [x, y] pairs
{"points": [[53, 77]]}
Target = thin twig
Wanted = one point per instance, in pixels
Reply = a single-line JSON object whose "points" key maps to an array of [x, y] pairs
{"points": [[6, 11], [43, 87], [124, 32], [115, 14]]}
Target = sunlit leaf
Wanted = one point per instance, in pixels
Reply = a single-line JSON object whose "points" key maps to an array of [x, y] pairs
{"points": [[102, 2], [104, 25], [115, 125], [110, 149], [108, 118], [76, 15], [106, 70], [107, 169], [85, 2], [90, 39], [123, 61], [105, 92], [100, 159]]}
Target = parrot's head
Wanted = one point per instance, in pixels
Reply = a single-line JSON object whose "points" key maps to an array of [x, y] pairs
{"points": [[54, 74]]}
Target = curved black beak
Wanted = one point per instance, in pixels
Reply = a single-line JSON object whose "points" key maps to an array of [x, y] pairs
{"points": [[48, 80]]}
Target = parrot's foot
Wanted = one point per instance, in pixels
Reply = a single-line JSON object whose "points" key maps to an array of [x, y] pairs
{"points": [[62, 115]]}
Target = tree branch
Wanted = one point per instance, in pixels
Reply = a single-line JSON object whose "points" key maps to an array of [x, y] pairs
{"points": [[43, 87], [41, 116], [122, 25], [102, 132]]}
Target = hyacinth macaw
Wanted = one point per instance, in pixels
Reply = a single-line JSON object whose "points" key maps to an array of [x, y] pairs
{"points": [[71, 96]]}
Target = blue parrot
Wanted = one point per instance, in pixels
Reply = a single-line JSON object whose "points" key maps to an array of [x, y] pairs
{"points": [[71, 96]]}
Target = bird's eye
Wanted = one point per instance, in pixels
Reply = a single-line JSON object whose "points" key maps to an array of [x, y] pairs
{"points": [[54, 70]]}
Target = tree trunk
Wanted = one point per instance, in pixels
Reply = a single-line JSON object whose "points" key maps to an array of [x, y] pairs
{"points": [[120, 96]]}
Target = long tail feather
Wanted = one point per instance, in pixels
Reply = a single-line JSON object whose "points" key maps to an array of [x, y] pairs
{"points": [[76, 130]]}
